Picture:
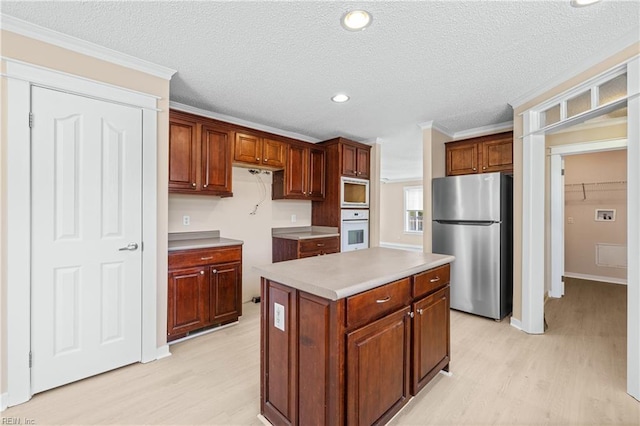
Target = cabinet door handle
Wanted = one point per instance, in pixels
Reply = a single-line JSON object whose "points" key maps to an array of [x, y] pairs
{"points": [[205, 185], [193, 184], [433, 280], [201, 272], [484, 168], [420, 311], [410, 314], [206, 258], [474, 169], [320, 245], [257, 158], [215, 271], [385, 300]]}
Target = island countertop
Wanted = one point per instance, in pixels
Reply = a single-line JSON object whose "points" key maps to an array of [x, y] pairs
{"points": [[339, 275]]}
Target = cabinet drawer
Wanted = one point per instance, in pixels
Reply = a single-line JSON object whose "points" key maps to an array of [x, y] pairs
{"points": [[195, 257], [430, 280], [371, 304], [315, 246]]}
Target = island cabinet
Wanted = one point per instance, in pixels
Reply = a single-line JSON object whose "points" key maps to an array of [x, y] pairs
{"points": [[199, 155], [304, 175], [485, 154], [355, 360], [204, 289]]}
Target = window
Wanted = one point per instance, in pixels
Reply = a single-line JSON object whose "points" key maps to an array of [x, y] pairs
{"points": [[413, 214]]}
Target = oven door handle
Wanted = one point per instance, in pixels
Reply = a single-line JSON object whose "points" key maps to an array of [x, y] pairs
{"points": [[356, 221]]}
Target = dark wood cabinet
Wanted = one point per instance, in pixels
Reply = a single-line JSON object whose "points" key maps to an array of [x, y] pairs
{"points": [[355, 160], [199, 155], [259, 150], [430, 338], [287, 249], [183, 153], [304, 175], [205, 289], [343, 158], [356, 360], [188, 301], [378, 369], [485, 154]]}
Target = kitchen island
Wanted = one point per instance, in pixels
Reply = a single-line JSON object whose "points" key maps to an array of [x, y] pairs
{"points": [[348, 338]]}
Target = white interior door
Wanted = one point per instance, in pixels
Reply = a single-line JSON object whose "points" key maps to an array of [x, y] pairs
{"points": [[86, 231]]}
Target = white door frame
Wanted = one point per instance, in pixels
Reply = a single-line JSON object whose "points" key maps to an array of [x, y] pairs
{"points": [[533, 227], [557, 154], [20, 77]]}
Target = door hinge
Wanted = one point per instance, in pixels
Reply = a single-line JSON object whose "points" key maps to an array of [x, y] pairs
{"points": [[30, 359], [30, 120], [562, 172]]}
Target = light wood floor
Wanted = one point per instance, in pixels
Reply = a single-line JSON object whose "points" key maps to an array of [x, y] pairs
{"points": [[572, 375]]}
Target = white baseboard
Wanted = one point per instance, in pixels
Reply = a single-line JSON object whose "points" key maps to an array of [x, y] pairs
{"points": [[4, 401], [411, 247], [515, 323], [163, 352], [264, 420], [588, 277]]}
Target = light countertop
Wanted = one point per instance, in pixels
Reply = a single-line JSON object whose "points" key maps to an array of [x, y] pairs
{"points": [[339, 275], [201, 239], [305, 232]]}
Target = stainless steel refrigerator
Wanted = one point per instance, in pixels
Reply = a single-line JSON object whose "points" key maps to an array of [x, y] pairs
{"points": [[472, 220]]}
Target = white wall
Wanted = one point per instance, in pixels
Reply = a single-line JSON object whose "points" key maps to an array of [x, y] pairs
{"points": [[231, 217]]}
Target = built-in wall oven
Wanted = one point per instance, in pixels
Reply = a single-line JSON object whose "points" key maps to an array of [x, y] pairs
{"points": [[354, 229]]}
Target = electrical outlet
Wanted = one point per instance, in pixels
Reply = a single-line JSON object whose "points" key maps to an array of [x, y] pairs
{"points": [[293, 218], [186, 220], [570, 219]]}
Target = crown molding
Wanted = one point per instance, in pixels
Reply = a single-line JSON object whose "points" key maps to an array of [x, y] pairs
{"points": [[240, 122], [433, 125], [401, 180], [484, 130], [27, 29], [620, 44]]}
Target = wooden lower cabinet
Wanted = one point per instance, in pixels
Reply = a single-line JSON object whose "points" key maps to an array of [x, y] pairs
{"points": [[431, 338], [205, 289], [286, 249], [378, 368], [352, 361]]}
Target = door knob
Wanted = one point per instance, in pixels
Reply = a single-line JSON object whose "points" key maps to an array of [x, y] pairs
{"points": [[129, 247]]}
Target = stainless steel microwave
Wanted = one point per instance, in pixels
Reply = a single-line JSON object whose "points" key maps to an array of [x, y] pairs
{"points": [[354, 193]]}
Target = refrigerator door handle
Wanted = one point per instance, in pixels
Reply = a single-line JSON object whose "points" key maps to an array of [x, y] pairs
{"points": [[468, 222]]}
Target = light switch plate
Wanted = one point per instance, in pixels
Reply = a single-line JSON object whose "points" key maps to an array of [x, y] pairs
{"points": [[278, 316]]}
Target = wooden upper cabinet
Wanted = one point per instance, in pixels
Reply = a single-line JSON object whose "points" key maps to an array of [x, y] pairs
{"points": [[274, 153], [497, 155], [216, 159], [183, 155], [462, 159], [485, 154], [355, 161], [304, 176], [258, 150], [199, 155]]}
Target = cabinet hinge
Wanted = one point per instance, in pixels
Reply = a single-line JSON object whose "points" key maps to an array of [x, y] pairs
{"points": [[562, 172], [30, 359], [30, 120]]}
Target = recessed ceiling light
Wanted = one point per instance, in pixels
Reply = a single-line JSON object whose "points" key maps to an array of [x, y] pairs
{"points": [[340, 98], [356, 20], [583, 3]]}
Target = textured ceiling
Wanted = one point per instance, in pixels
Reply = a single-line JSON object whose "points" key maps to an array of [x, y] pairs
{"points": [[458, 63]]}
